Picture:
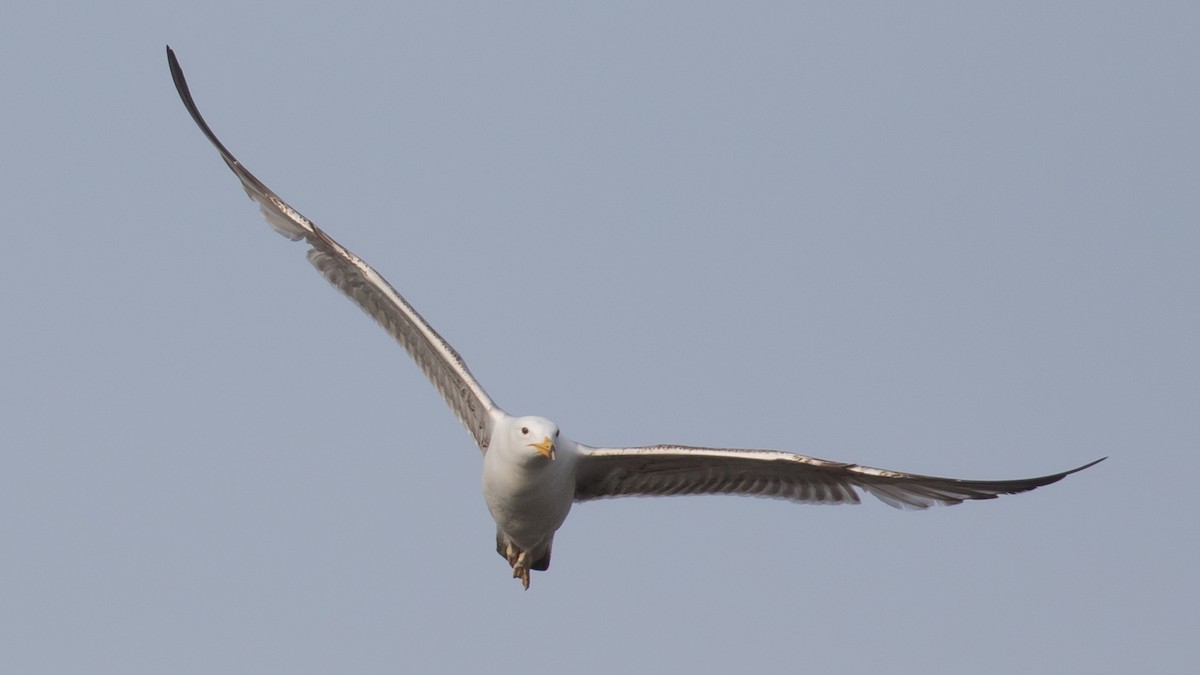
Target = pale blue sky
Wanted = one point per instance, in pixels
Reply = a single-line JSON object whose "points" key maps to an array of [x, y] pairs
{"points": [[931, 237]]}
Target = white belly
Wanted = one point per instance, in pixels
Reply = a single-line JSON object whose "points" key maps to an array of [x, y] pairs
{"points": [[528, 505]]}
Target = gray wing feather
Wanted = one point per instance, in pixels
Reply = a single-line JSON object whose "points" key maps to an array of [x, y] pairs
{"points": [[663, 470], [362, 284]]}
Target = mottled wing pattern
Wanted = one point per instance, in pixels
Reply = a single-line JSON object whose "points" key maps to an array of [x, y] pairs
{"points": [[362, 284], [662, 470]]}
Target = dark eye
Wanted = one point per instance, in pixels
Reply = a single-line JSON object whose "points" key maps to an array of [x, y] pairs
{"points": [[556, 433], [525, 430]]}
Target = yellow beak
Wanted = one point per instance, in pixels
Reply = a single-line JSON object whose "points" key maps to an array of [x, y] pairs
{"points": [[545, 448]]}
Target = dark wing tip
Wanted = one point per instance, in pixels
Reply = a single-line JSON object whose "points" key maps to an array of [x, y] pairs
{"points": [[185, 95], [177, 76], [1085, 466], [1032, 483]]}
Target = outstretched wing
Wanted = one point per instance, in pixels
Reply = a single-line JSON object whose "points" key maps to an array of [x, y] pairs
{"points": [[662, 470], [362, 284]]}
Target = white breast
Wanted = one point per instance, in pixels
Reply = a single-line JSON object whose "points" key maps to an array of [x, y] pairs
{"points": [[529, 500]]}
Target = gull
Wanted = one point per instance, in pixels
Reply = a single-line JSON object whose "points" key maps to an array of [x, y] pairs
{"points": [[532, 474]]}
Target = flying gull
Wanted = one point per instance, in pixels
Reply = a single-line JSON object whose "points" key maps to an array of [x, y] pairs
{"points": [[532, 474]]}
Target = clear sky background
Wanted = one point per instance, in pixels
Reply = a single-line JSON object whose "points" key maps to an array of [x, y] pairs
{"points": [[951, 238]]}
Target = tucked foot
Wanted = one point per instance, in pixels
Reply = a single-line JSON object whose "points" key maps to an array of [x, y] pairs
{"points": [[521, 569], [513, 554]]}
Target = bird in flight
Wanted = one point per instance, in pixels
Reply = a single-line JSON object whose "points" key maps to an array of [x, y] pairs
{"points": [[532, 474]]}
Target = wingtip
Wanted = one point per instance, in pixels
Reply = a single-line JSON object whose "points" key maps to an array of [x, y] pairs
{"points": [[176, 73], [1077, 469]]}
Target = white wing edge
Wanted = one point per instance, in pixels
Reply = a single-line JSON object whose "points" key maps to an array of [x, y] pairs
{"points": [[664, 470], [366, 287]]}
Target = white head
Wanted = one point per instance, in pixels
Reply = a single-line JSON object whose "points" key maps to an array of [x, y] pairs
{"points": [[533, 435]]}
